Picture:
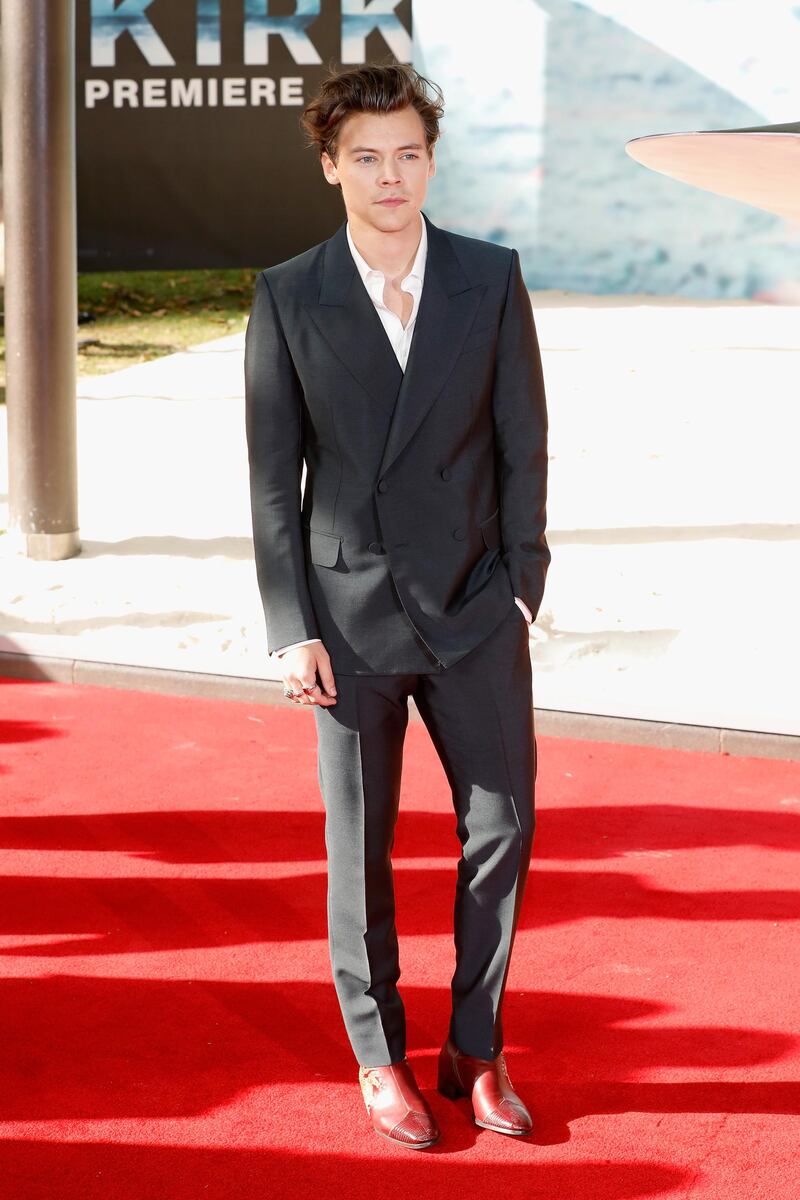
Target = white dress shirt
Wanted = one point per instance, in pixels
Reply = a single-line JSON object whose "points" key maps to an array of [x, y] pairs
{"points": [[400, 337]]}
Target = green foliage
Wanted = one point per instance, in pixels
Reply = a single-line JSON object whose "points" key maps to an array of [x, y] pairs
{"points": [[140, 315]]}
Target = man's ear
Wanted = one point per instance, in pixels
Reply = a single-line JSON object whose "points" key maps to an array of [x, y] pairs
{"points": [[432, 163], [329, 167]]}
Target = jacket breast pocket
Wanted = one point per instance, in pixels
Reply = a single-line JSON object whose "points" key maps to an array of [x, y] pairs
{"points": [[490, 529], [323, 547]]}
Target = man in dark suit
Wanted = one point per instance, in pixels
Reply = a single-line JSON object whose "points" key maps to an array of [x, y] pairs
{"points": [[400, 362]]}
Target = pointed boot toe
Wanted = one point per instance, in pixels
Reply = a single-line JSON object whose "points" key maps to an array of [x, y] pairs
{"points": [[508, 1117]]}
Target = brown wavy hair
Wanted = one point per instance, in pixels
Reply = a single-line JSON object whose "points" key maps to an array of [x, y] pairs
{"points": [[370, 87]]}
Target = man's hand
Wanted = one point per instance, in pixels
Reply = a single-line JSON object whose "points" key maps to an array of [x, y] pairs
{"points": [[300, 669]]}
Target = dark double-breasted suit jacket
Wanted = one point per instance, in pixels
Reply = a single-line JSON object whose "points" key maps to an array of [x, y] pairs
{"points": [[423, 512]]}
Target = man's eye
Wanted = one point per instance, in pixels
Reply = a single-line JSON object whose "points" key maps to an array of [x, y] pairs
{"points": [[371, 157]]}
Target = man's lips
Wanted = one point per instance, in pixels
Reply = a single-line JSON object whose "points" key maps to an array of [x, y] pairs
{"points": [[390, 201]]}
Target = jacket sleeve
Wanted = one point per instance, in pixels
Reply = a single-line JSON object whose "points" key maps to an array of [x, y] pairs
{"points": [[274, 429], [520, 425]]}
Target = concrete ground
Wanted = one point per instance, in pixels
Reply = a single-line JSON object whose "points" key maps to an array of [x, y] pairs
{"points": [[674, 518]]}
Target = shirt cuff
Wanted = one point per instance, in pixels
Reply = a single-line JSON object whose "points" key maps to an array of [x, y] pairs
{"points": [[526, 612], [293, 646]]}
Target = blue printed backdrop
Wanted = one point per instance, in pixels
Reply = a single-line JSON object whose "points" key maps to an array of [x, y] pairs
{"points": [[540, 101]]}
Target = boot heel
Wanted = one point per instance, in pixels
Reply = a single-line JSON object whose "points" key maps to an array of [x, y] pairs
{"points": [[450, 1089]]}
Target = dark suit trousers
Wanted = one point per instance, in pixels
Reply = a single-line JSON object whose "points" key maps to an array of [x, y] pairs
{"points": [[479, 714]]}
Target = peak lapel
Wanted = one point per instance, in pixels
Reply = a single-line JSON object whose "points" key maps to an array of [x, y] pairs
{"points": [[447, 309], [346, 318]]}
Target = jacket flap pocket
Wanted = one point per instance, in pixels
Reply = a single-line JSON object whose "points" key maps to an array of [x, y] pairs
{"points": [[324, 547], [490, 528]]}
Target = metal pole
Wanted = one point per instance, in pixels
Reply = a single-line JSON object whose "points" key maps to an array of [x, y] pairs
{"points": [[41, 303]]}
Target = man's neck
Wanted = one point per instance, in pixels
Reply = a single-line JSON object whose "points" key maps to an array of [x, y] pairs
{"points": [[391, 252]]}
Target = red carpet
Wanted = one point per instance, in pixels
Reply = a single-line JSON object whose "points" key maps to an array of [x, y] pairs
{"points": [[170, 1031]]}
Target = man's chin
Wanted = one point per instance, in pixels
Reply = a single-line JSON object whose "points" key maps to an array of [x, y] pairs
{"points": [[390, 219]]}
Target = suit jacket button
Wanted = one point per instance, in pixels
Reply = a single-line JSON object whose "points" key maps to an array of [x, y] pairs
{"points": [[383, 486], [446, 473], [376, 547], [459, 534]]}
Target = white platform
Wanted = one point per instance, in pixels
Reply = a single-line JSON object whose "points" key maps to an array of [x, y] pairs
{"points": [[674, 517]]}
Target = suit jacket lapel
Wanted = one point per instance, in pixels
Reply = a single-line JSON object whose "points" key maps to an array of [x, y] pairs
{"points": [[346, 317]]}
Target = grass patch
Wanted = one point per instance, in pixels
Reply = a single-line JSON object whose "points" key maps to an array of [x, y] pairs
{"points": [[135, 316]]}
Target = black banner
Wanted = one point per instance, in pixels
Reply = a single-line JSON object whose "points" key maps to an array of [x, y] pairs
{"points": [[189, 147]]}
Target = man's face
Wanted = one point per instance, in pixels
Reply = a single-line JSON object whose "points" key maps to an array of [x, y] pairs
{"points": [[382, 155]]}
